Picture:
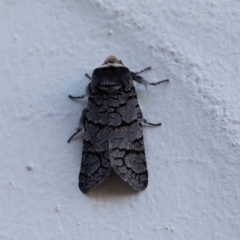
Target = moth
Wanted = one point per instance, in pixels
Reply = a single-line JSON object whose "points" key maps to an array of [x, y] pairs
{"points": [[113, 127]]}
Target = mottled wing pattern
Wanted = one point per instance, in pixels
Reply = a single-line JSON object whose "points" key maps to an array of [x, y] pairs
{"points": [[95, 165], [126, 145]]}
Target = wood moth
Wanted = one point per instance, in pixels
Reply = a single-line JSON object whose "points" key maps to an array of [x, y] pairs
{"points": [[113, 127]]}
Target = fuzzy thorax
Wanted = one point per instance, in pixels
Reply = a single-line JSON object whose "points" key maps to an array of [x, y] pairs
{"points": [[112, 59]]}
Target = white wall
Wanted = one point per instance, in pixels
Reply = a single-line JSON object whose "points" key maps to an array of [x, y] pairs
{"points": [[193, 158]]}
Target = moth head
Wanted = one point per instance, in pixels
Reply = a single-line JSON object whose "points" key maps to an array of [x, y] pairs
{"points": [[112, 61]]}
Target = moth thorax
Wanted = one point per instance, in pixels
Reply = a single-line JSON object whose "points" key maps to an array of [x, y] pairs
{"points": [[109, 79]]}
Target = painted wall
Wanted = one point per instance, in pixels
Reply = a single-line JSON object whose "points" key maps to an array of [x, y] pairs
{"points": [[46, 47]]}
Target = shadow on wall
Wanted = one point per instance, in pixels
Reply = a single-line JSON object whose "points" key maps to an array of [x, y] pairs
{"points": [[112, 186]]}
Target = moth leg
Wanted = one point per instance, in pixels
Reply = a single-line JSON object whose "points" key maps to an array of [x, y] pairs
{"points": [[76, 97], [88, 76], [141, 80], [80, 126], [145, 69], [146, 123], [166, 80], [88, 91]]}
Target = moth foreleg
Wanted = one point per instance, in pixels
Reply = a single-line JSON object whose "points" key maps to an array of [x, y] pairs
{"points": [[145, 69], [139, 79], [80, 126], [166, 80], [88, 76]]}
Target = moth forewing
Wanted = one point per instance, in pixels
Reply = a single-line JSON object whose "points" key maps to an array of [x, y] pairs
{"points": [[112, 121]]}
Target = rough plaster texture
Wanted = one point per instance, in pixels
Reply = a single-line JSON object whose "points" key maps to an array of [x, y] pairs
{"points": [[193, 158]]}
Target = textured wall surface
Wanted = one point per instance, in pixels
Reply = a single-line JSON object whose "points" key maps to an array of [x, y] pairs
{"points": [[193, 159]]}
